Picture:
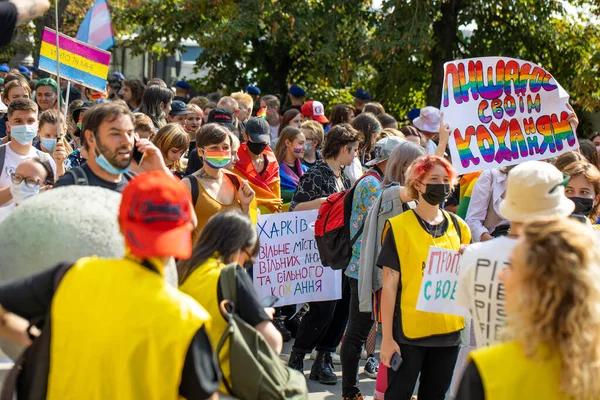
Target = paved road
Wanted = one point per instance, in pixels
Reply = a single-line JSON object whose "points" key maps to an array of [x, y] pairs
{"points": [[331, 392]]}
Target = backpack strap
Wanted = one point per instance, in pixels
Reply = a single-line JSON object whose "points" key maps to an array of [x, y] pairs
{"points": [[195, 188], [456, 225], [2, 156], [228, 284], [234, 179], [79, 176]]}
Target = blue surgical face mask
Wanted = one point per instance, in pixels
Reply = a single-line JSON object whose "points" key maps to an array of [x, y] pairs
{"points": [[108, 167], [23, 134], [49, 144], [21, 192]]}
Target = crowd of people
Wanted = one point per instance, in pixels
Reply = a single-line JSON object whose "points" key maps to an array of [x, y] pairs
{"points": [[196, 173]]}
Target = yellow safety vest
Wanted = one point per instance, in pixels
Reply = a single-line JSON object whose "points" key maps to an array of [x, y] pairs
{"points": [[412, 245], [202, 285], [507, 373], [119, 332]]}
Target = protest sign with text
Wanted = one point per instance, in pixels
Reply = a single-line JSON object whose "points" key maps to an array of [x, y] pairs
{"points": [[288, 265], [503, 111], [440, 280], [79, 62]]}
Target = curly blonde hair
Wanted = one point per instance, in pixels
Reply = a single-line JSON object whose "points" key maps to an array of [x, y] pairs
{"points": [[558, 302]]}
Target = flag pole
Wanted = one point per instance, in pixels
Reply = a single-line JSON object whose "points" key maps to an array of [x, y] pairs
{"points": [[67, 98], [58, 131]]}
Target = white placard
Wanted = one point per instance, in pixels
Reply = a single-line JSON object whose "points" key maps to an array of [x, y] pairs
{"points": [[440, 281], [288, 265], [503, 111]]}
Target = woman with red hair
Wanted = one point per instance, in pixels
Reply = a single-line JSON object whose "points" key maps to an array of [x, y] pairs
{"points": [[427, 342]]}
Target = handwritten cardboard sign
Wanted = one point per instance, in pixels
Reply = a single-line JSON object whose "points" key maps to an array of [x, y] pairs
{"points": [[503, 111], [440, 280], [288, 265]]}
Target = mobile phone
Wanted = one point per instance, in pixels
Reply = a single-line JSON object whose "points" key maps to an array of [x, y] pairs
{"points": [[269, 301], [396, 361], [581, 218], [137, 155]]}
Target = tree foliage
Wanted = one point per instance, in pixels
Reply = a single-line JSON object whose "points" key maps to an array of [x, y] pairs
{"points": [[396, 52]]}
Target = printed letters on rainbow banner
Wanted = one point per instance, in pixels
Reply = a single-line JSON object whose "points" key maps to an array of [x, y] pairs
{"points": [[288, 265], [79, 62], [440, 280], [503, 111]]}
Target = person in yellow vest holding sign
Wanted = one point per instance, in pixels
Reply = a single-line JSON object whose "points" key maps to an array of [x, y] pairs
{"points": [[118, 329], [426, 342], [553, 303]]}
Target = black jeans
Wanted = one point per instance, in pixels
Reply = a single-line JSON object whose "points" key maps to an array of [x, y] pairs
{"points": [[322, 327], [436, 365], [359, 326]]}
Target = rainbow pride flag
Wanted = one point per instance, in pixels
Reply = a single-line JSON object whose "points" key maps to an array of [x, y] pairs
{"points": [[262, 113], [79, 62]]}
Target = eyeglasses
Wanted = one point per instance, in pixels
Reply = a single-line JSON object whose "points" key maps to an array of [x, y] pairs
{"points": [[564, 183], [29, 181], [251, 258]]}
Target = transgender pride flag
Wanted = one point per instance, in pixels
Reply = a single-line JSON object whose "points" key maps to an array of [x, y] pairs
{"points": [[96, 28]]}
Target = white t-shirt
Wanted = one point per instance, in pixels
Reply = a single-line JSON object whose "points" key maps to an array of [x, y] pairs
{"points": [[430, 146], [480, 289], [11, 161], [274, 132]]}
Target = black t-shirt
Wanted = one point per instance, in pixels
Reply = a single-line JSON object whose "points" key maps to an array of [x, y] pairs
{"points": [[388, 257], [8, 22], [248, 305], [194, 161], [31, 297], [471, 385], [93, 180]]}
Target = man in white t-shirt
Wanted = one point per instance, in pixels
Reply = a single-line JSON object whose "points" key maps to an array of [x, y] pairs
{"points": [[21, 127], [533, 189]]}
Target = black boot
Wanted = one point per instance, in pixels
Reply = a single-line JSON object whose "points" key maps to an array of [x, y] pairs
{"points": [[296, 361], [280, 325], [322, 369]]}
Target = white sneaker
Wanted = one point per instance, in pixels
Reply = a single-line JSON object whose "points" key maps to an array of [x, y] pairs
{"points": [[363, 355]]}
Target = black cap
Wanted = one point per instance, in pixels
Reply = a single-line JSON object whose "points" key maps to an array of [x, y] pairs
{"points": [[221, 116], [258, 130], [178, 108], [85, 106]]}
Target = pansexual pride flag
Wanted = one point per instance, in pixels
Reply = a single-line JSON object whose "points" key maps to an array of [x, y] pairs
{"points": [[96, 28], [79, 62]]}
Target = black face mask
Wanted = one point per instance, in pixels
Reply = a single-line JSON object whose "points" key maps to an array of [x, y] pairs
{"points": [[582, 206], [436, 193], [256, 148]]}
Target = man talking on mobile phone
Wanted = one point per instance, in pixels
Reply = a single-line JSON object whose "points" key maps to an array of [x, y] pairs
{"points": [[109, 138]]}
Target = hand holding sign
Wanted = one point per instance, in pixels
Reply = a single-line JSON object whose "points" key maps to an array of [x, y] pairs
{"points": [[440, 279]]}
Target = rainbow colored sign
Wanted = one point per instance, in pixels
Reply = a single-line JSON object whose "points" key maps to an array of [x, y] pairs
{"points": [[504, 111], [79, 62]]}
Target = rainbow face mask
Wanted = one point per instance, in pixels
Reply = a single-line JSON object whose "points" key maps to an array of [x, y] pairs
{"points": [[216, 158]]}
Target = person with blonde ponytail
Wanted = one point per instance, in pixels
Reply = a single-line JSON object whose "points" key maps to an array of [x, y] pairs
{"points": [[552, 290]]}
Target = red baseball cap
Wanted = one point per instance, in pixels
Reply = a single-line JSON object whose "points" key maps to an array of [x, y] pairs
{"points": [[315, 110], [156, 216]]}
